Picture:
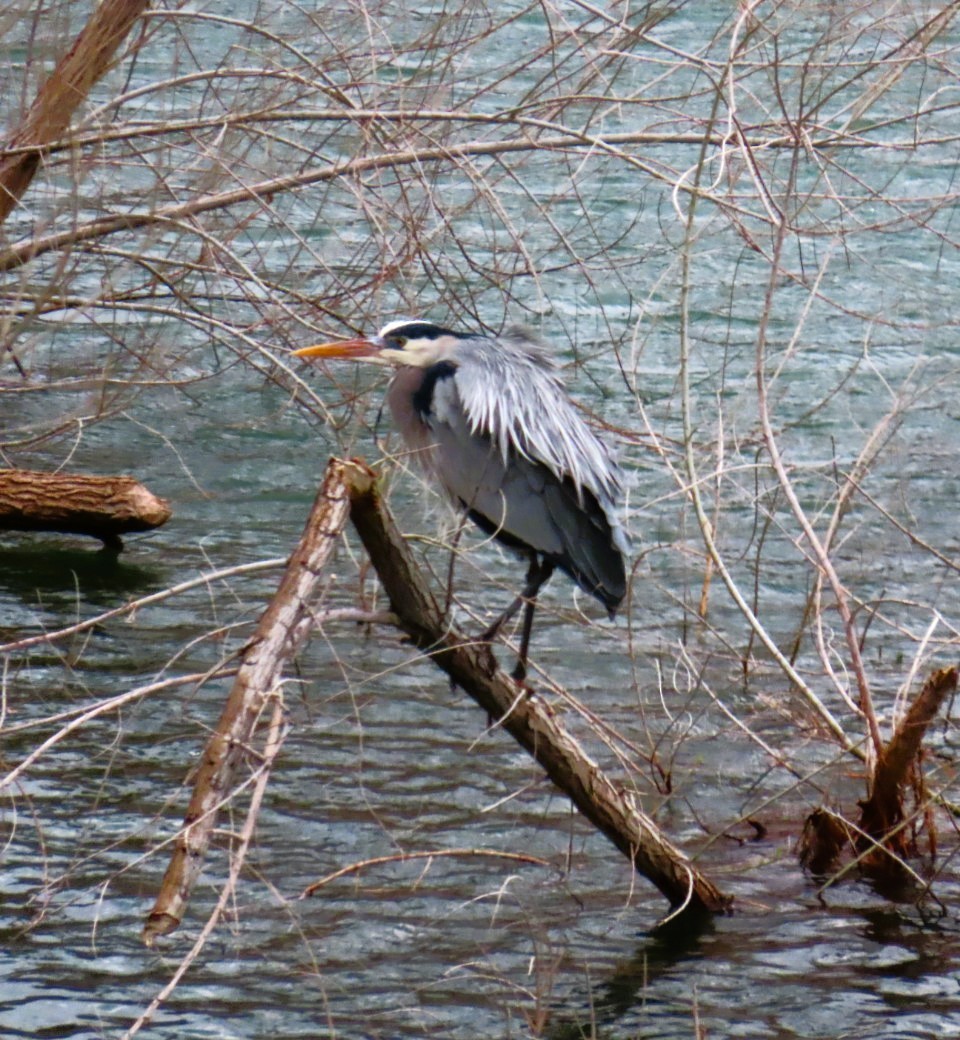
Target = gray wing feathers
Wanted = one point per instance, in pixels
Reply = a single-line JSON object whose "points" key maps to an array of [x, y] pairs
{"points": [[512, 393], [521, 498], [592, 561]]}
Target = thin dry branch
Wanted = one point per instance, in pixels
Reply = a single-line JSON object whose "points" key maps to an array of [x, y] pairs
{"points": [[818, 549], [528, 718], [76, 719], [276, 734], [690, 485], [63, 92], [207, 578], [406, 857], [20, 253], [281, 630]]}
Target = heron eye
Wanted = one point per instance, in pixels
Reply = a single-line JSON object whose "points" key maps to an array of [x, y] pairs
{"points": [[397, 342]]}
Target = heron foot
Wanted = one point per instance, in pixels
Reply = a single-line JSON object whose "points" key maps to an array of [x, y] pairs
{"points": [[521, 681]]}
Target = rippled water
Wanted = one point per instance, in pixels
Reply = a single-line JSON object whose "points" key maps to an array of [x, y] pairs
{"points": [[382, 757]]}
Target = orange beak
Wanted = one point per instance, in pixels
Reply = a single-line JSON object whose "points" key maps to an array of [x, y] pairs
{"points": [[345, 348]]}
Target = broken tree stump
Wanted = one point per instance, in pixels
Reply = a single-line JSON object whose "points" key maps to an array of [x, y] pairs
{"points": [[101, 507], [885, 836], [883, 812]]}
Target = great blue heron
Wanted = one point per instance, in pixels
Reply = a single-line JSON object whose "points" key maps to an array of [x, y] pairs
{"points": [[490, 419]]}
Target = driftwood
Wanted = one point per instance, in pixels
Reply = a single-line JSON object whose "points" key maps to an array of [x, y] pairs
{"points": [[62, 92], [528, 718], [102, 507], [281, 630]]}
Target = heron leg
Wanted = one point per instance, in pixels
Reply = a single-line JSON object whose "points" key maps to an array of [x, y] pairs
{"points": [[538, 573]]}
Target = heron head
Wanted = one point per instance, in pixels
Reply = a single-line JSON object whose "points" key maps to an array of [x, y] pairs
{"points": [[402, 342]]}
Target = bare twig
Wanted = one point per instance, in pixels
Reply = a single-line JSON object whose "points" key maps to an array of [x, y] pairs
{"points": [[271, 748], [173, 215], [406, 857], [207, 578], [82, 717], [692, 487]]}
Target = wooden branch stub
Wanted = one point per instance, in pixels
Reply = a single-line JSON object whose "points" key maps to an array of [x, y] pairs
{"points": [[527, 717], [102, 507], [826, 836], [882, 840], [281, 630]]}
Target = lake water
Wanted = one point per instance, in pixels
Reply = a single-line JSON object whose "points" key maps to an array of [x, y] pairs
{"points": [[162, 353]]}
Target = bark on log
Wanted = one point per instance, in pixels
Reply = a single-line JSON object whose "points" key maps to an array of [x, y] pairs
{"points": [[528, 718], [281, 630], [63, 92], [102, 507]]}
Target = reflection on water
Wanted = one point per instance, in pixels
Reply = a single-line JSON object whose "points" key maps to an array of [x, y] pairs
{"points": [[39, 567]]}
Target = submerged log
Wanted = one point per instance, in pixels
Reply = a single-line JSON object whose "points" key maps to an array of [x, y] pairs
{"points": [[101, 507], [527, 717]]}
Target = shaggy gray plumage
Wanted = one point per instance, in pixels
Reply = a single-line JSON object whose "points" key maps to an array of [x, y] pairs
{"points": [[492, 420]]}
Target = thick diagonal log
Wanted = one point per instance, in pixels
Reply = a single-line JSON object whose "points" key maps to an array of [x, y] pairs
{"points": [[64, 90], [527, 717]]}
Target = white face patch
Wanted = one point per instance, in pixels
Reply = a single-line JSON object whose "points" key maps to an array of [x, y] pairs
{"points": [[418, 351]]}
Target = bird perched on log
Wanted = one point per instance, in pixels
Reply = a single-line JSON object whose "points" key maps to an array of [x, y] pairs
{"points": [[490, 420]]}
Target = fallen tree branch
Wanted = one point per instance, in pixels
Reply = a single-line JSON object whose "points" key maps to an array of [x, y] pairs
{"points": [[350, 487], [282, 628], [528, 718], [101, 507]]}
